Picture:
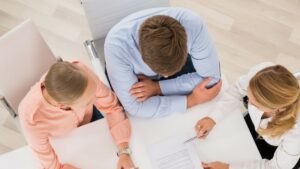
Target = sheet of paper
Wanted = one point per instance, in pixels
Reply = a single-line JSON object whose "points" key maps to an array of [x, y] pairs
{"points": [[173, 153]]}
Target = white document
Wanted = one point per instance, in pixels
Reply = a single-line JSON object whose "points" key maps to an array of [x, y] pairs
{"points": [[173, 153]]}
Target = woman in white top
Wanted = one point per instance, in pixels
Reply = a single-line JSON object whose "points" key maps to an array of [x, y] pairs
{"points": [[273, 100]]}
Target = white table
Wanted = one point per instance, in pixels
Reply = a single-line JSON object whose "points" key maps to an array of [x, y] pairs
{"points": [[91, 147]]}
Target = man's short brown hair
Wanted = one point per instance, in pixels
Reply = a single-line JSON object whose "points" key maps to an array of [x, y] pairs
{"points": [[163, 44], [65, 82]]}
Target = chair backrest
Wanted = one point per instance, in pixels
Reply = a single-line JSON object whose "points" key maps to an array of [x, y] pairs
{"points": [[297, 75], [102, 15], [25, 57]]}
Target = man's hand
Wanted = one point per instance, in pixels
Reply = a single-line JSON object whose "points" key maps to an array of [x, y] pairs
{"points": [[201, 94], [204, 126], [125, 162], [215, 165], [145, 88]]}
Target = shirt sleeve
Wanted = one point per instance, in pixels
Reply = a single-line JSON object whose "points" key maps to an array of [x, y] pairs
{"points": [[235, 93], [203, 54], [38, 141], [286, 155], [122, 77], [108, 103]]}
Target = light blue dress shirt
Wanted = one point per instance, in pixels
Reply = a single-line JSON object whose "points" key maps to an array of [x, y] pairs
{"points": [[124, 62]]}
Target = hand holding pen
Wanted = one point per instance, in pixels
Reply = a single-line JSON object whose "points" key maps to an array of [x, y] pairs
{"points": [[203, 127]]}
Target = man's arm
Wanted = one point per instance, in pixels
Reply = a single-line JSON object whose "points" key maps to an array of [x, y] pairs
{"points": [[122, 78], [38, 141], [108, 103], [184, 84]]}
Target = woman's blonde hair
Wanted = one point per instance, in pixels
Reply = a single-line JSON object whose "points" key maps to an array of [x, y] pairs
{"points": [[275, 87], [65, 82]]}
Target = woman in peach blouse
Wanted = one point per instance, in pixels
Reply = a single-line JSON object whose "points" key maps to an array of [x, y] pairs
{"points": [[67, 96]]}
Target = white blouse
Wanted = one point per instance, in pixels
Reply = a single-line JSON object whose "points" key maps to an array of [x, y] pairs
{"points": [[288, 152]]}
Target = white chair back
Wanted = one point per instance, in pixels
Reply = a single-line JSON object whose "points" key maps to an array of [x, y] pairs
{"points": [[25, 57]]}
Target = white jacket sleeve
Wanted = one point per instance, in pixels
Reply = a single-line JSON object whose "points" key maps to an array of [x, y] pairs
{"points": [[286, 155], [235, 93]]}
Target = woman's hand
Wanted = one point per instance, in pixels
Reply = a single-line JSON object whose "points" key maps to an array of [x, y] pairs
{"points": [[215, 165], [204, 126]]}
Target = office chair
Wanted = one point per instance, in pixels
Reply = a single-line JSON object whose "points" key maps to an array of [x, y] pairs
{"points": [[25, 57], [102, 15]]}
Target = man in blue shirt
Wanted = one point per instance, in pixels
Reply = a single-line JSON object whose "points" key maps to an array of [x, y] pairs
{"points": [[161, 61]]}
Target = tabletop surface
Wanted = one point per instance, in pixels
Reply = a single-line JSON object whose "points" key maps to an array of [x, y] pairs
{"points": [[91, 147]]}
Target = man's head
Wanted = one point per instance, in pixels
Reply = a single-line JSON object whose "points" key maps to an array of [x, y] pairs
{"points": [[163, 44], [68, 85]]}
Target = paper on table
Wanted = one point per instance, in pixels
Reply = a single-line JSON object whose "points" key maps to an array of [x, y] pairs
{"points": [[173, 153]]}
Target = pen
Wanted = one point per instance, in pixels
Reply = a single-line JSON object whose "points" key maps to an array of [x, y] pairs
{"points": [[195, 137], [191, 139]]}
